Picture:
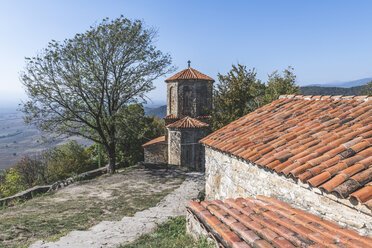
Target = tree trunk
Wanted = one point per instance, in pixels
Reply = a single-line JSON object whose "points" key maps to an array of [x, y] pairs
{"points": [[112, 160]]}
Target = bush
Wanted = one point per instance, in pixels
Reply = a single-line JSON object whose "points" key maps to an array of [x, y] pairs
{"points": [[136, 130], [54, 165], [67, 160], [12, 183], [32, 171], [93, 153]]}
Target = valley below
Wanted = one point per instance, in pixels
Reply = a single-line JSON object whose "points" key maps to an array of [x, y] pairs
{"points": [[18, 140]]}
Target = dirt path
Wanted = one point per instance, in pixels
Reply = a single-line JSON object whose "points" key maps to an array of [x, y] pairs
{"points": [[85, 204], [114, 233]]}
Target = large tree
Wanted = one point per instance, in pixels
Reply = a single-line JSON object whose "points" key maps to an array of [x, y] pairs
{"points": [[278, 84], [236, 94], [239, 92], [367, 89], [80, 86], [136, 130]]}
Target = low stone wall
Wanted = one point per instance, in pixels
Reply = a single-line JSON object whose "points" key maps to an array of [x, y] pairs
{"points": [[230, 177], [24, 195], [29, 193], [83, 176], [156, 153]]}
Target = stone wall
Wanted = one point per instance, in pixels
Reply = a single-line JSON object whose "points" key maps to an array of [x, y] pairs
{"points": [[174, 147], [172, 99], [230, 177], [192, 152], [189, 98], [184, 148], [29, 193], [156, 153]]}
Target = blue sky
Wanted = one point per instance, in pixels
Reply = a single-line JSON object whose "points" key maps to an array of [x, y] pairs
{"points": [[325, 41]]}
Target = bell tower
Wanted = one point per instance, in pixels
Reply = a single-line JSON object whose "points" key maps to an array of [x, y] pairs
{"points": [[189, 105], [189, 93]]}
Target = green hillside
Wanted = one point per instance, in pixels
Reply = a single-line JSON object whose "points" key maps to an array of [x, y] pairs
{"points": [[317, 90]]}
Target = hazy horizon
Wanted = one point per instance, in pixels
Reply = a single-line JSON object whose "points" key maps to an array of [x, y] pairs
{"points": [[325, 41]]}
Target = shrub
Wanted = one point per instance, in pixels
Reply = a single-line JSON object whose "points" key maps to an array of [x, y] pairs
{"points": [[67, 160], [93, 153], [12, 183], [136, 130], [32, 171]]}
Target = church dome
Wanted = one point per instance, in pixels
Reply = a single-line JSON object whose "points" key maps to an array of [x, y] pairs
{"points": [[189, 74]]}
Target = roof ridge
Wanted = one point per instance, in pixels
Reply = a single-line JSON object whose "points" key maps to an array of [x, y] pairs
{"points": [[328, 97], [192, 72], [189, 74], [156, 140], [188, 122]]}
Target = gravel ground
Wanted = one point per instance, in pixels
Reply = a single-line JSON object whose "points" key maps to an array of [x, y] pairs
{"points": [[114, 233]]}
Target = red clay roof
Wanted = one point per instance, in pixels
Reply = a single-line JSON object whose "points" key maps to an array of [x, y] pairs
{"points": [[267, 222], [188, 122], [322, 140], [170, 117], [156, 140], [189, 74]]}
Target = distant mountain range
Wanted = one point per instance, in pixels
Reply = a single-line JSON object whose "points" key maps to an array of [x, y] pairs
{"points": [[347, 84], [333, 91], [159, 112]]}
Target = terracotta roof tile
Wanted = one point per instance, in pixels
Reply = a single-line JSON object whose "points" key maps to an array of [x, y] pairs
{"points": [[267, 222], [170, 117], [189, 74], [322, 140], [154, 141], [188, 122]]}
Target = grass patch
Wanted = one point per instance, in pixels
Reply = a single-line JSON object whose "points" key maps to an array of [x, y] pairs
{"points": [[51, 216], [170, 234]]}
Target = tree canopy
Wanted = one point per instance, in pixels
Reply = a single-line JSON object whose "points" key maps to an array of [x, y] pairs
{"points": [[80, 86], [239, 92], [367, 89], [134, 131]]}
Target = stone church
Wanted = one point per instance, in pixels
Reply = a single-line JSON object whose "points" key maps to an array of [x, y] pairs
{"points": [[189, 104], [296, 172]]}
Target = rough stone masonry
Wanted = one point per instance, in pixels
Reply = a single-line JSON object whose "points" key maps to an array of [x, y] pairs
{"points": [[231, 177]]}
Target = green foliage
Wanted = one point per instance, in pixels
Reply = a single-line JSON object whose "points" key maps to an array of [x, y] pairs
{"points": [[93, 153], [236, 94], [67, 160], [135, 130], [281, 85], [367, 89], [81, 86], [32, 171], [240, 92], [170, 234], [55, 164], [12, 183]]}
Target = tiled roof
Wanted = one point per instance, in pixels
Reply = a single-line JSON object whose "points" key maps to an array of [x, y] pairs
{"points": [[188, 122], [322, 140], [267, 222], [156, 140], [170, 117], [189, 73]]}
